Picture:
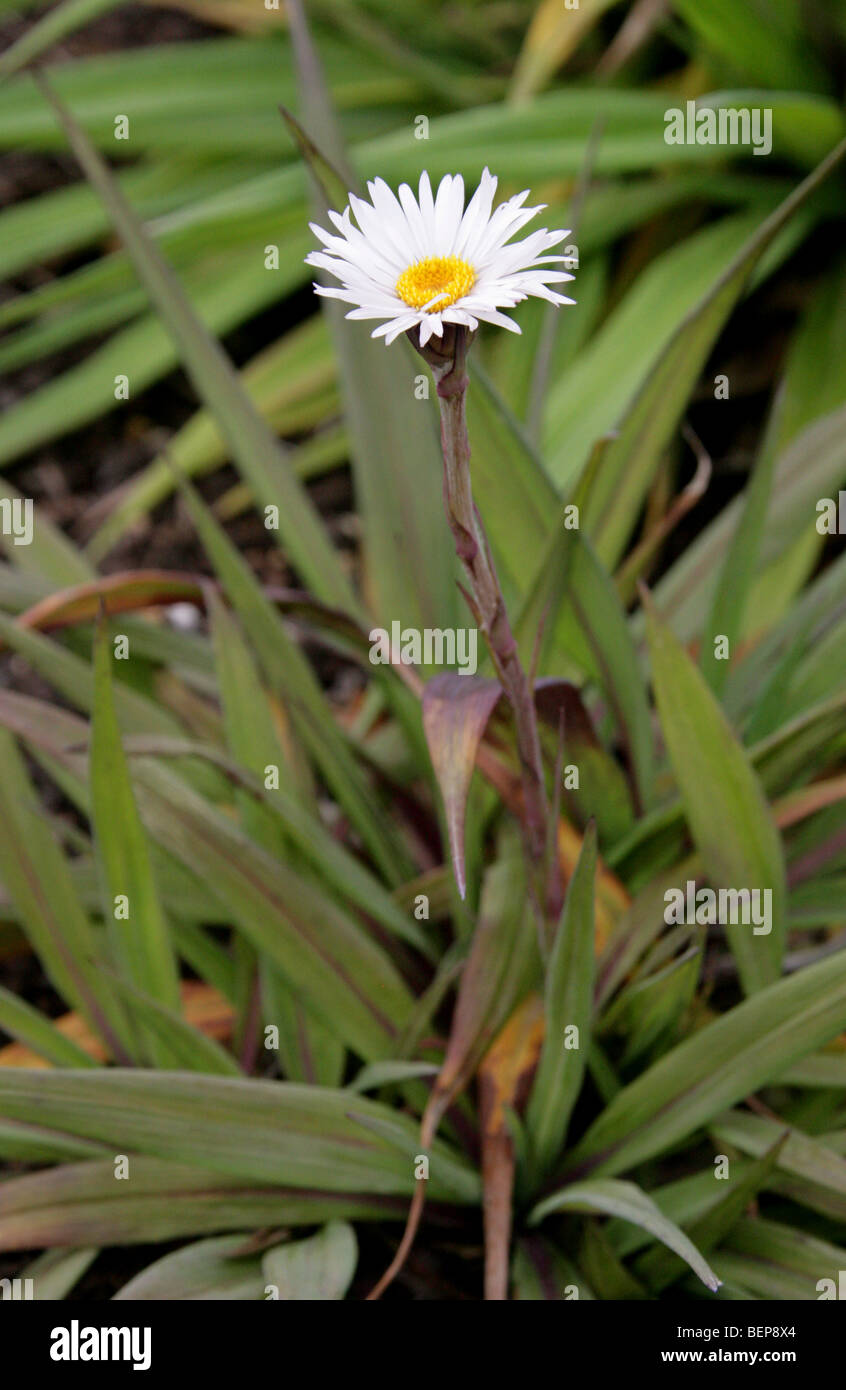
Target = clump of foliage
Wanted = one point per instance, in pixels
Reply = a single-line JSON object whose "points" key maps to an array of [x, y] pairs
{"points": [[239, 881]]}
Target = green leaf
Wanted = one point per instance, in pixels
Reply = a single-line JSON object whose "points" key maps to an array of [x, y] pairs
{"points": [[729, 604], [49, 556], [20, 1020], [610, 1278], [574, 603], [725, 806], [568, 1003], [81, 1203], [245, 432], [36, 874], [589, 400], [397, 465], [500, 970], [308, 935], [74, 679], [292, 678], [513, 492], [315, 846], [70, 218], [658, 1267], [378, 1074], [291, 919], [809, 1160], [811, 385], [637, 928], [648, 423], [208, 1269], [31, 1143], [553, 36], [541, 1273], [810, 466], [777, 1261], [142, 942], [179, 1042], [627, 1200], [310, 1051], [765, 43], [56, 1272], [649, 1009], [731, 1058], [827, 1069], [51, 28], [291, 384], [284, 914], [269, 1132], [85, 391], [319, 1269]]}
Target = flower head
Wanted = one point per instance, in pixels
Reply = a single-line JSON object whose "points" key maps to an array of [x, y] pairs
{"points": [[429, 261]]}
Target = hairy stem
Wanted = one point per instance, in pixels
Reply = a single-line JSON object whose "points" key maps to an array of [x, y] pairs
{"points": [[485, 595]]}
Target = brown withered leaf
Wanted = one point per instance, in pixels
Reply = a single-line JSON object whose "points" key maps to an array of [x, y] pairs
{"points": [[115, 593], [555, 698], [456, 710], [504, 1078]]}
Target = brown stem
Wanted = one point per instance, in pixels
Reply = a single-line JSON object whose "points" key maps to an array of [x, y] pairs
{"points": [[450, 373]]}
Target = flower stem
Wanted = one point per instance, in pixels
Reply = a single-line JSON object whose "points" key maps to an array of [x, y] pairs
{"points": [[485, 594]]}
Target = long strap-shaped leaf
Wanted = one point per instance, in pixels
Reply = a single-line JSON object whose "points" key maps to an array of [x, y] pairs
{"points": [[347, 978], [568, 1004], [36, 873], [625, 1199], [717, 1066], [143, 947], [243, 428], [80, 1203], [310, 1051], [725, 805], [648, 423], [393, 432], [293, 680], [269, 1132]]}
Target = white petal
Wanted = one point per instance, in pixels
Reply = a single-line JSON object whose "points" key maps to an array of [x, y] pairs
{"points": [[427, 210], [476, 216], [414, 222], [457, 314], [491, 316], [330, 292], [448, 208], [400, 326], [398, 320]]}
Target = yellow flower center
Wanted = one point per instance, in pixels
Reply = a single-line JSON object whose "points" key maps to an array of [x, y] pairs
{"points": [[435, 283]]}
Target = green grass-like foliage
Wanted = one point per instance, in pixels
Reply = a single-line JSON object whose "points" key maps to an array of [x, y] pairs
{"points": [[192, 815]]}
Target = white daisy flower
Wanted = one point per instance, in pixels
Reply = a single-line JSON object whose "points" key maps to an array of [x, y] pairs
{"points": [[428, 261]]}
